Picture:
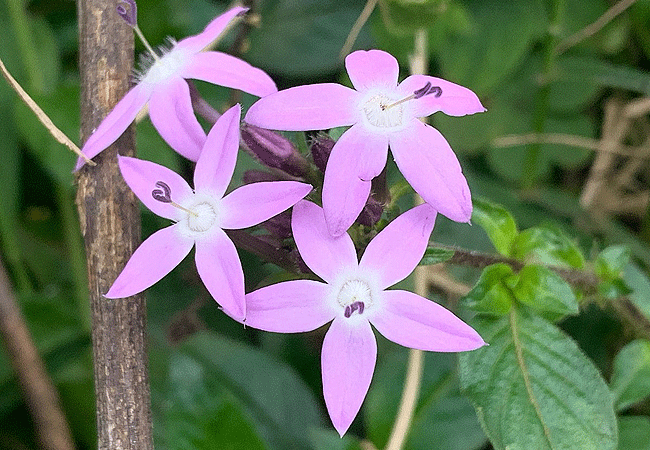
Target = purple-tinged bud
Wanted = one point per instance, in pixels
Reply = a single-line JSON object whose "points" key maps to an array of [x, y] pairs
{"points": [[321, 147], [257, 176], [279, 225], [371, 212], [128, 10], [274, 150]]}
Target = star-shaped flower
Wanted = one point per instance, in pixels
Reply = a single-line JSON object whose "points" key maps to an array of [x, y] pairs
{"points": [[382, 114], [201, 215], [163, 86], [354, 295]]}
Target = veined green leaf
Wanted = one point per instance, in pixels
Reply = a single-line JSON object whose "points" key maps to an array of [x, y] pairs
{"points": [[634, 433], [497, 223], [549, 245], [533, 388], [492, 294], [631, 376], [435, 255]]}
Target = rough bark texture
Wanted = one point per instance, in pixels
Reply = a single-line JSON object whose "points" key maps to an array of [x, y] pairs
{"points": [[40, 394], [110, 224]]}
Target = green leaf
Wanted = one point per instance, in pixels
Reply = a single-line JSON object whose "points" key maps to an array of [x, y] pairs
{"points": [[547, 244], [329, 439], [631, 375], [436, 255], [442, 415], [406, 16], [497, 223], [638, 281], [278, 401], [595, 71], [634, 433], [533, 388], [611, 262], [545, 291], [492, 294]]}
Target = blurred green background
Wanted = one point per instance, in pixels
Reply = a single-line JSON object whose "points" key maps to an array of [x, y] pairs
{"points": [[217, 385]]}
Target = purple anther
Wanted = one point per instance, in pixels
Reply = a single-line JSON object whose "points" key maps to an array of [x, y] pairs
{"points": [[428, 89], [360, 306], [164, 194], [128, 11]]}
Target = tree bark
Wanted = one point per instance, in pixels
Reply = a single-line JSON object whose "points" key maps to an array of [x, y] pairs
{"points": [[110, 223]]}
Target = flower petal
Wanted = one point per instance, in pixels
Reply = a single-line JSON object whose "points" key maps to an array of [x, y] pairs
{"points": [[217, 162], [415, 322], [323, 253], [455, 100], [226, 70], [344, 191], [115, 123], [142, 176], [429, 164], [348, 362], [251, 204], [370, 69], [363, 149], [398, 248], [152, 260], [220, 270], [310, 107], [170, 110], [212, 31], [293, 306]]}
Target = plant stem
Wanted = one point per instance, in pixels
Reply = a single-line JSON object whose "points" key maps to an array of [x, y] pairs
{"points": [[531, 162], [110, 222]]}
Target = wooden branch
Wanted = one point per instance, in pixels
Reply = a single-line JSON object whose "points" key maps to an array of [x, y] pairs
{"points": [[110, 223], [39, 391]]}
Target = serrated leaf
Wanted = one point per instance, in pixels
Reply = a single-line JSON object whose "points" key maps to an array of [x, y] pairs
{"points": [[497, 222], [611, 262], [547, 244], [492, 294], [545, 291], [436, 255], [634, 433], [441, 416], [631, 375], [533, 388]]}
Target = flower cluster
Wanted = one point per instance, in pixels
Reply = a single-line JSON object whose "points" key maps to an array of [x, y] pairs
{"points": [[354, 293]]}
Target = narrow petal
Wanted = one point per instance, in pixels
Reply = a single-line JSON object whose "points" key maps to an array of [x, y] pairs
{"points": [[212, 31], [348, 362], [322, 252], [152, 260], [142, 176], [220, 270], [455, 100], [344, 192], [415, 322], [217, 162], [251, 204], [170, 110], [226, 70], [370, 69], [115, 123], [429, 164], [365, 150], [310, 107], [398, 248], [290, 307]]}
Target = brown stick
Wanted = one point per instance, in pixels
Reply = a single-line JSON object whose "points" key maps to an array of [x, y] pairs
{"points": [[41, 396], [110, 223]]}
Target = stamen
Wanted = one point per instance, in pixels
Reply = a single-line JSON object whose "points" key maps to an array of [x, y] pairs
{"points": [[128, 10], [425, 90], [360, 306], [163, 195]]}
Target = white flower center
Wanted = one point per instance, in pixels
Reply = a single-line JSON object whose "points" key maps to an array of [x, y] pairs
{"points": [[160, 69], [355, 296], [203, 218], [379, 114]]}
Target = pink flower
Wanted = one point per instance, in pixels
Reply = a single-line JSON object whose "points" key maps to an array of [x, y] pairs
{"points": [[200, 216], [382, 114], [163, 86], [354, 297]]}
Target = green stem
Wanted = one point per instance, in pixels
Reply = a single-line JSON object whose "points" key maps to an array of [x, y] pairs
{"points": [[530, 168], [22, 28], [76, 253]]}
